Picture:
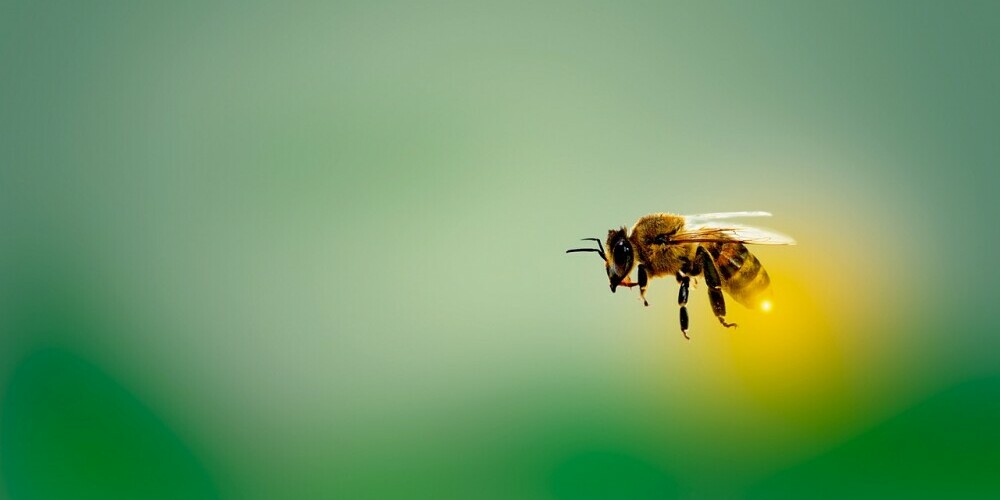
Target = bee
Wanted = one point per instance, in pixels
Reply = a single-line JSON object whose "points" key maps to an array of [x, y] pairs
{"points": [[688, 246]]}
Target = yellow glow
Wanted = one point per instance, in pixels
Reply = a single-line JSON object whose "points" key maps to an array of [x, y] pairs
{"points": [[794, 354]]}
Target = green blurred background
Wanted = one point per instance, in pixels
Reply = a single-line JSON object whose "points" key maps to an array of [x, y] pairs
{"points": [[272, 251]]}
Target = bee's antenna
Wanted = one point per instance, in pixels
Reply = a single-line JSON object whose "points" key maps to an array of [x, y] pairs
{"points": [[599, 249]]}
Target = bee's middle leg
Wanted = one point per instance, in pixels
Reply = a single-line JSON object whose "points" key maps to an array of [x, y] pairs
{"points": [[682, 300]]}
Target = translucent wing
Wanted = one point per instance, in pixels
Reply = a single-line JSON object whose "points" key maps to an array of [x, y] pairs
{"points": [[695, 219], [711, 232]]}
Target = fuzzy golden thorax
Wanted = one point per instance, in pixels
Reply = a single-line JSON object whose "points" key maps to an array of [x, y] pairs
{"points": [[658, 259]]}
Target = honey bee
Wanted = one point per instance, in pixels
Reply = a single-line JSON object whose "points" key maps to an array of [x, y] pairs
{"points": [[687, 246]]}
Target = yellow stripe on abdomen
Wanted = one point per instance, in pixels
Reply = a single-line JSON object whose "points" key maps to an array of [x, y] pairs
{"points": [[743, 276]]}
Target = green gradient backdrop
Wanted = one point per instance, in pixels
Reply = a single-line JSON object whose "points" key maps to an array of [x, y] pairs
{"points": [[253, 251]]}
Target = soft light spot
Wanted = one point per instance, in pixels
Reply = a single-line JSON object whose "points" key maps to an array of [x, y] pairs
{"points": [[766, 306]]}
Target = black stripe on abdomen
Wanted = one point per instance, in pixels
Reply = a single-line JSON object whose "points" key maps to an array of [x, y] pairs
{"points": [[743, 276], [730, 259]]}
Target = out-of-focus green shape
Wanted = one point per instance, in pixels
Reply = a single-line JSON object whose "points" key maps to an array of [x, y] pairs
{"points": [[70, 431], [948, 446], [610, 474]]}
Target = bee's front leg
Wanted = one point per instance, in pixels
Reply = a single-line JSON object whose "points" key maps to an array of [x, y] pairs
{"points": [[643, 279]]}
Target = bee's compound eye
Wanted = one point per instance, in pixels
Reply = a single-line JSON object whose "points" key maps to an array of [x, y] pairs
{"points": [[621, 251]]}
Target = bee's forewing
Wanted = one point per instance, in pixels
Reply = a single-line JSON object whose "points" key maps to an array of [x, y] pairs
{"points": [[694, 219], [703, 233]]}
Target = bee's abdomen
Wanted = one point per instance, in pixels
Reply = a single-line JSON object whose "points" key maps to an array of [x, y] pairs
{"points": [[743, 277]]}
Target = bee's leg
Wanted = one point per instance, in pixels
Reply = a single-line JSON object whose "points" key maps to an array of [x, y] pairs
{"points": [[714, 287], [643, 279], [682, 300], [691, 268]]}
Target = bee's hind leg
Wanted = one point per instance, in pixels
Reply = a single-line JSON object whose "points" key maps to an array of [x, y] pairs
{"points": [[682, 299], [714, 287]]}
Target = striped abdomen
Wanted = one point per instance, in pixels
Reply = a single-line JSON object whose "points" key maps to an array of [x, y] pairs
{"points": [[743, 277]]}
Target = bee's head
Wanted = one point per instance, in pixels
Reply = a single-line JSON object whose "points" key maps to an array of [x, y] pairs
{"points": [[621, 260], [619, 263]]}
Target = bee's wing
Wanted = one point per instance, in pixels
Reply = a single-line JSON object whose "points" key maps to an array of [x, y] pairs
{"points": [[699, 218], [709, 233]]}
